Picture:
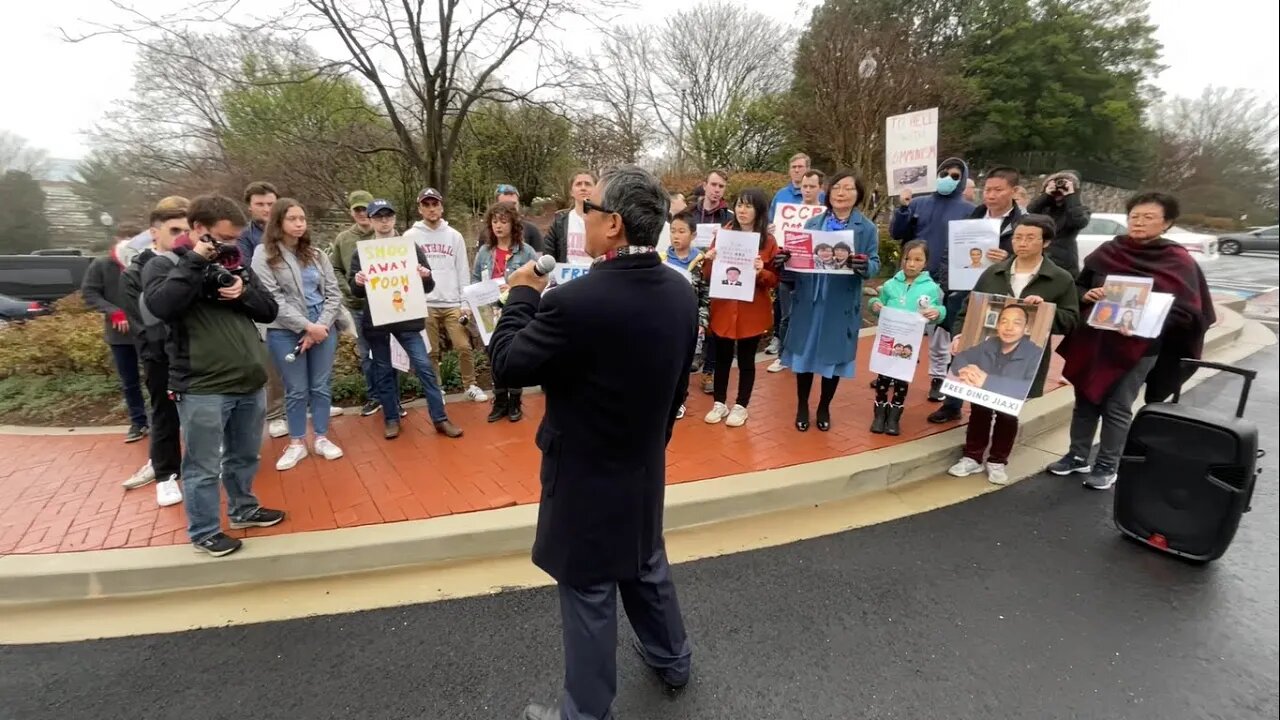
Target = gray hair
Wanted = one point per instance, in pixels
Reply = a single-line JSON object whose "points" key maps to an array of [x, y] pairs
{"points": [[636, 195]]}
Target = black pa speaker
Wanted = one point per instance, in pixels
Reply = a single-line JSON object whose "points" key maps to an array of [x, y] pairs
{"points": [[1187, 475]]}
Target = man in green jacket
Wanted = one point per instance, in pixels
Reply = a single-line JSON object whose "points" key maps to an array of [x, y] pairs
{"points": [[340, 254]]}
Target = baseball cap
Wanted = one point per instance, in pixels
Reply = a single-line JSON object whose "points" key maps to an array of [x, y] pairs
{"points": [[359, 198], [379, 206], [430, 194]]}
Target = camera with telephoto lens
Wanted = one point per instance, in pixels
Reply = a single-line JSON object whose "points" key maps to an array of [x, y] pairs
{"points": [[223, 268]]}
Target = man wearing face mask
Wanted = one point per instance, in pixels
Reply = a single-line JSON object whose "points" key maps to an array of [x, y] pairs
{"points": [[927, 218], [1060, 200]]}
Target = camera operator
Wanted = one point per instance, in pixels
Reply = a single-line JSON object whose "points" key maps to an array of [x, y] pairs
{"points": [[210, 301], [1061, 201]]}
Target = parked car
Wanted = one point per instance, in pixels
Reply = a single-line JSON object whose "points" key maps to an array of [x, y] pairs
{"points": [[42, 277], [1264, 238], [13, 309], [1105, 226]]}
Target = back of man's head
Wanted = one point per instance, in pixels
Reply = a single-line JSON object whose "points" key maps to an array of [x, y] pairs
{"points": [[639, 198]]}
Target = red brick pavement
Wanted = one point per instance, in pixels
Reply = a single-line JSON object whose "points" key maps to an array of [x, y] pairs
{"points": [[63, 494]]}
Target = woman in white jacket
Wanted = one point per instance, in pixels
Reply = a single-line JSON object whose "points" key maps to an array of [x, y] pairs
{"points": [[302, 281]]}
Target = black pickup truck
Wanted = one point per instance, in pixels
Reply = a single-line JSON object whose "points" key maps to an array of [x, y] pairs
{"points": [[44, 277]]}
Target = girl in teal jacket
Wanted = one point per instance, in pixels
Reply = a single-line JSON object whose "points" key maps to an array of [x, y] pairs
{"points": [[910, 289]]}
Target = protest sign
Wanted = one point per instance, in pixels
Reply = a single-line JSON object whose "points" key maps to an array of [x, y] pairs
{"points": [[1154, 314], [819, 251], [704, 234], [400, 358], [576, 240], [565, 272], [967, 246], [1122, 306], [733, 273], [899, 338], [793, 216], [392, 288], [484, 300], [911, 151], [1001, 345]]}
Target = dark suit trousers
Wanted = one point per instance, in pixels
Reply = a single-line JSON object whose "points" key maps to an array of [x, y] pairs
{"points": [[166, 435], [590, 623]]}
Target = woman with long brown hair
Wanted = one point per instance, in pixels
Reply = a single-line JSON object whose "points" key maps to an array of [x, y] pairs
{"points": [[303, 338], [502, 251]]}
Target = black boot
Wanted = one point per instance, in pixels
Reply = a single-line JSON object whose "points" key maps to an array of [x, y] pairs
{"points": [[892, 419], [501, 399], [802, 418], [878, 420], [935, 390], [514, 411]]}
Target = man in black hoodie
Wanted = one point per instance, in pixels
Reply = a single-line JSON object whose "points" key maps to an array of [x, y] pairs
{"points": [[217, 368], [1061, 201], [101, 290], [165, 454]]}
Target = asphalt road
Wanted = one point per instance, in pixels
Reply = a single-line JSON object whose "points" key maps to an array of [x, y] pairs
{"points": [[1021, 604], [1253, 277]]}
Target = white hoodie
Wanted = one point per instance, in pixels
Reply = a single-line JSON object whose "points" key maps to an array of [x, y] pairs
{"points": [[447, 253]]}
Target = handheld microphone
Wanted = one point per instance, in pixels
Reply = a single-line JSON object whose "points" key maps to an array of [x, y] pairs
{"points": [[293, 355], [544, 266]]}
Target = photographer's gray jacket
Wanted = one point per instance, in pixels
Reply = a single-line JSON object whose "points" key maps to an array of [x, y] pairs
{"points": [[284, 283]]}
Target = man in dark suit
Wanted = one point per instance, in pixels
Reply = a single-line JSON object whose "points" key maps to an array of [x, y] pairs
{"points": [[612, 352]]}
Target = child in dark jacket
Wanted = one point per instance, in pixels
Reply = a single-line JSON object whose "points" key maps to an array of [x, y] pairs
{"points": [[910, 289]]}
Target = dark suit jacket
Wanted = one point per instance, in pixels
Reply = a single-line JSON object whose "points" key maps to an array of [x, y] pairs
{"points": [[612, 352]]}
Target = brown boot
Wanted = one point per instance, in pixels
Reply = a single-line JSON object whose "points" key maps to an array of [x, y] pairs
{"points": [[448, 429]]}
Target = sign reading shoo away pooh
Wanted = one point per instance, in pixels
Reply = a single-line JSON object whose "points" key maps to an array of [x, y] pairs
{"points": [[393, 286]]}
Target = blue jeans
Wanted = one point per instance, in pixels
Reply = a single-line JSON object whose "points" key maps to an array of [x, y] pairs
{"points": [[222, 434], [366, 360], [306, 379], [388, 385], [126, 360]]}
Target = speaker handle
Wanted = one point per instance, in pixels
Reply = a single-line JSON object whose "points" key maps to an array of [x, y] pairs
{"points": [[1245, 373]]}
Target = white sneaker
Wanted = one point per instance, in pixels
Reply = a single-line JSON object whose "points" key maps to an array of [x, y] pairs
{"points": [[964, 468], [475, 394], [145, 474], [334, 411], [168, 493], [680, 413], [277, 428], [737, 417], [718, 413], [325, 447], [292, 456], [997, 474], [776, 366], [773, 347]]}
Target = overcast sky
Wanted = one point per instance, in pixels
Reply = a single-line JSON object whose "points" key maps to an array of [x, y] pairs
{"points": [[56, 90]]}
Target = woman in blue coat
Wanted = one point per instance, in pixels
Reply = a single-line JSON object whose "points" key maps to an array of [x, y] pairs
{"points": [[826, 311]]}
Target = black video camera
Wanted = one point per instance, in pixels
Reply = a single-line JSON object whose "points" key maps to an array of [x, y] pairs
{"points": [[223, 268]]}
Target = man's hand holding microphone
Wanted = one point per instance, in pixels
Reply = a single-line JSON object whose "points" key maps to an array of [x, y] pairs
{"points": [[535, 274]]}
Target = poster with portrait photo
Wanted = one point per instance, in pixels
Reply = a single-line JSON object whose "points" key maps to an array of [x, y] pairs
{"points": [[733, 272], [819, 251], [1122, 306], [899, 337], [1001, 345], [484, 300], [967, 244]]}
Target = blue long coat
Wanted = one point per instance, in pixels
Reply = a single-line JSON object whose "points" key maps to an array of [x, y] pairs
{"points": [[833, 302]]}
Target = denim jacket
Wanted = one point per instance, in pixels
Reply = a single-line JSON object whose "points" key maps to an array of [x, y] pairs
{"points": [[482, 269]]}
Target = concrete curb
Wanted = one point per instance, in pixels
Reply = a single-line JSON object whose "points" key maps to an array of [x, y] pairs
{"points": [[107, 573]]}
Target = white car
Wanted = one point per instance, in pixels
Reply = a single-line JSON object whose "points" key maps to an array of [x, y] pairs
{"points": [[1105, 226]]}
